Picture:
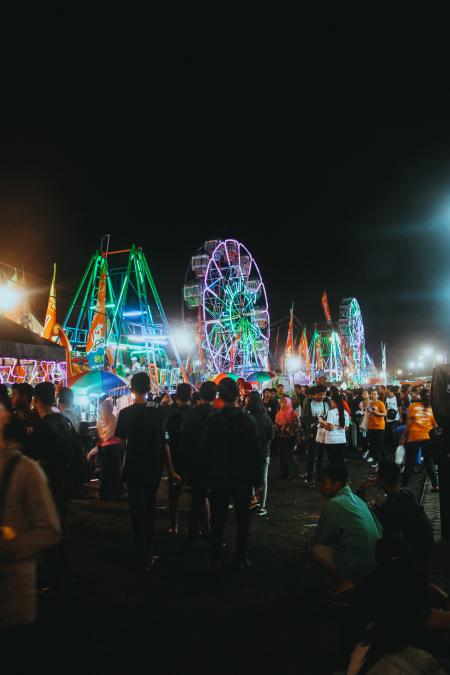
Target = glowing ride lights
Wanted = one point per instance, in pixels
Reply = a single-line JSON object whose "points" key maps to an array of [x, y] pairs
{"points": [[353, 343], [232, 328], [117, 294]]}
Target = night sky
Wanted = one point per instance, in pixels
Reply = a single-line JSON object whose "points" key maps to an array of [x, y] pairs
{"points": [[336, 181]]}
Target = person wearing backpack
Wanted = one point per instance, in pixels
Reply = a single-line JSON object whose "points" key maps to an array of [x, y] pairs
{"points": [[57, 447], [392, 421], [400, 514], [29, 524], [140, 426]]}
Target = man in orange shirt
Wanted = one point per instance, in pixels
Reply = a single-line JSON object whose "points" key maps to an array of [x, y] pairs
{"points": [[375, 428]]}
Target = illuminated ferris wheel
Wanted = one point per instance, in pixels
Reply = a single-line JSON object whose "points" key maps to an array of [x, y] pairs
{"points": [[233, 308], [351, 328]]}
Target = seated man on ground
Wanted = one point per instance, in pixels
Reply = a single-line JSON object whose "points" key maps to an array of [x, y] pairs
{"points": [[345, 538], [401, 514]]}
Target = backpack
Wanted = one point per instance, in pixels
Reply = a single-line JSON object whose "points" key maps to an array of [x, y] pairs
{"points": [[417, 530], [440, 395], [69, 444]]}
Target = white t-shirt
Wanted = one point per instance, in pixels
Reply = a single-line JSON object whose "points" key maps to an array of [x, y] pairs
{"points": [[337, 435], [391, 402], [319, 409]]}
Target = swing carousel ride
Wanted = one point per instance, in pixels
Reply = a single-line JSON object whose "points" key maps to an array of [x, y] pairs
{"points": [[116, 320], [337, 351]]}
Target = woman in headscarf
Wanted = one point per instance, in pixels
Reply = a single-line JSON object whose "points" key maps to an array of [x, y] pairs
{"points": [[286, 428], [110, 452]]}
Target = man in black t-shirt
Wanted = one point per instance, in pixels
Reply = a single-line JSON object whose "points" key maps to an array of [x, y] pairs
{"points": [[141, 428]]}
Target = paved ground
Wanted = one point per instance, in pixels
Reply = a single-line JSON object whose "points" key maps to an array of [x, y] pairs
{"points": [[269, 619]]}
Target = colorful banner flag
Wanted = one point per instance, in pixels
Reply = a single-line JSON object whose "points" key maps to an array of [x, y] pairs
{"points": [[326, 307], [50, 317], [96, 342], [290, 335], [303, 350]]}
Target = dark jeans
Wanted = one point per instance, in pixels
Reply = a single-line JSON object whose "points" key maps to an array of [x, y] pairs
{"points": [[22, 644], [53, 567], [110, 472], [316, 453], [142, 511], [220, 499], [198, 495], [389, 440], [375, 442], [336, 453], [411, 450], [288, 462], [175, 490]]}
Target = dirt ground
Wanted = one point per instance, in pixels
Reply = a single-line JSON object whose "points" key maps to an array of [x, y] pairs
{"points": [[182, 619]]}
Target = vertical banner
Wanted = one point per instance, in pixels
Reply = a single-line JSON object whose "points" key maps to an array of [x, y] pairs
{"points": [[50, 317], [304, 351], [319, 357], [290, 335], [326, 307], [96, 342]]}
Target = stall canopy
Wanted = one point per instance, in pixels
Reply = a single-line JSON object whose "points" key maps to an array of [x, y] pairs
{"points": [[20, 343]]}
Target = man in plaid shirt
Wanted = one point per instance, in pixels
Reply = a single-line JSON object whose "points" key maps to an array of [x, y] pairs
{"points": [[232, 460]]}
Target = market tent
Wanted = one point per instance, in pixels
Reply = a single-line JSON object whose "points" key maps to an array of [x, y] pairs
{"points": [[20, 343]]}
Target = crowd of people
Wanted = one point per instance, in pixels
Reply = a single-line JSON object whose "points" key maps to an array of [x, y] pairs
{"points": [[216, 443]]}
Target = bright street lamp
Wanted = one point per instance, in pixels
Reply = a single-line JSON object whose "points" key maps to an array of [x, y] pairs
{"points": [[293, 364], [9, 298], [183, 339], [427, 351]]}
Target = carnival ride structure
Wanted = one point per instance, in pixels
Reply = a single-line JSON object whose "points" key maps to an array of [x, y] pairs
{"points": [[232, 324], [338, 352], [117, 320], [326, 356]]}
